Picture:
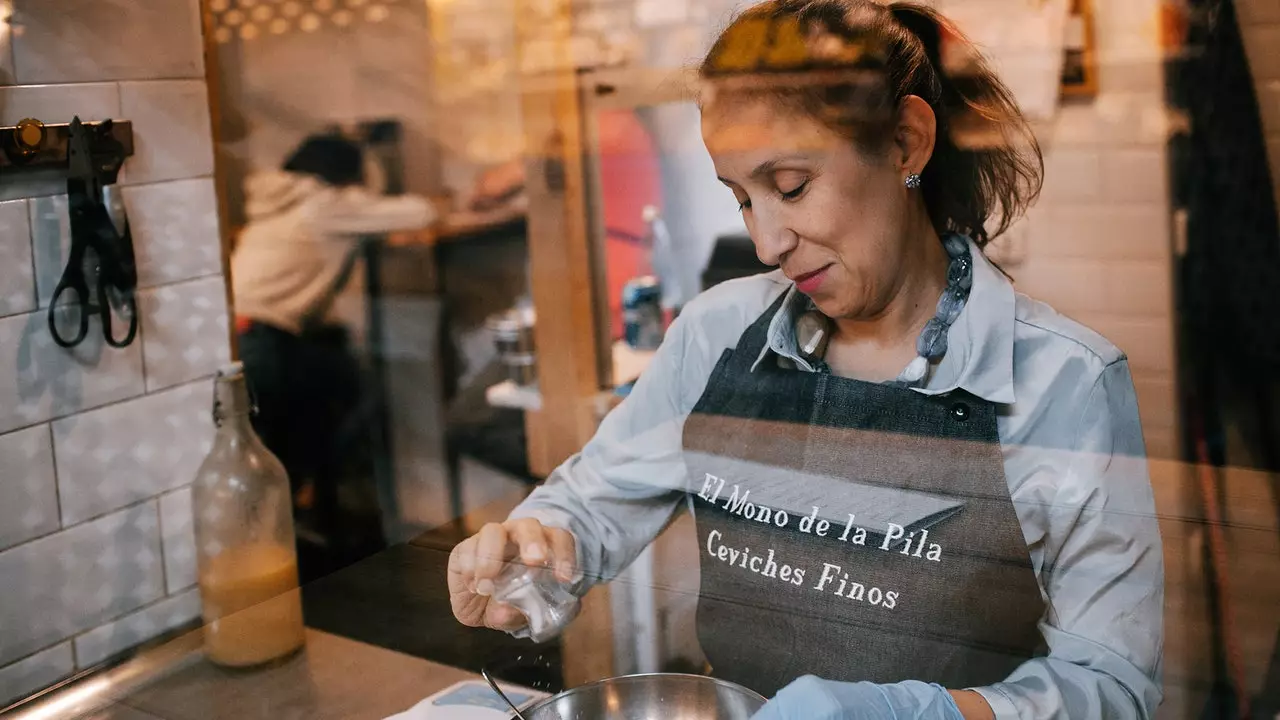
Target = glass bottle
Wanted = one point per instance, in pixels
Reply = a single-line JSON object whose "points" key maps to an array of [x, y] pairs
{"points": [[248, 567]]}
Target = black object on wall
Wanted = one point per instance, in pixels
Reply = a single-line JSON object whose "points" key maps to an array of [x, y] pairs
{"points": [[1227, 300], [734, 256]]}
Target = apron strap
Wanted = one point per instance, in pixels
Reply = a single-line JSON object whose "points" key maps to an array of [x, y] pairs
{"points": [[756, 337]]}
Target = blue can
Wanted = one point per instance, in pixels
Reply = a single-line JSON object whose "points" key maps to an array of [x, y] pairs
{"points": [[642, 313]]}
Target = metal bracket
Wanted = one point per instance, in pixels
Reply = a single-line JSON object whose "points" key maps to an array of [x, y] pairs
{"points": [[31, 145]]}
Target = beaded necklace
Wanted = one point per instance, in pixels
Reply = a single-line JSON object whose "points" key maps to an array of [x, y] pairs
{"points": [[813, 328]]}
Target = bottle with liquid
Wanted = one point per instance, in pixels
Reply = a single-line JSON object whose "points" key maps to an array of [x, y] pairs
{"points": [[248, 567]]}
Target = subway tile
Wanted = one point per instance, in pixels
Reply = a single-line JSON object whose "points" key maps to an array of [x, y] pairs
{"points": [[1069, 285], [28, 487], [117, 455], [1162, 443], [185, 331], [63, 42], [1072, 174], [1147, 341], [1104, 232], [178, 535], [17, 274], [1273, 154], [1128, 30], [136, 628], [1157, 399], [1269, 104], [50, 243], [172, 130], [1261, 42], [59, 103], [1132, 118], [1135, 176], [40, 381], [1258, 12], [175, 230], [1076, 123], [1124, 73], [35, 673], [74, 580], [1139, 288], [6, 66]]}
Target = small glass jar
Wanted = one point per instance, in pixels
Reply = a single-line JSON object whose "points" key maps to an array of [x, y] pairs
{"points": [[546, 603], [247, 561]]}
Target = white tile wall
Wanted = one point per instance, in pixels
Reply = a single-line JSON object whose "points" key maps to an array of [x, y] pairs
{"points": [[17, 285], [1157, 400], [6, 59], [1269, 103], [1103, 232], [175, 230], [1148, 341], [1258, 11], [1112, 118], [178, 534], [50, 243], [136, 449], [72, 581], [1142, 288], [62, 42], [185, 331], [1261, 41], [95, 546], [59, 103], [172, 130], [40, 381], [1260, 25], [28, 488], [1099, 240], [1072, 174], [115, 637], [1065, 282], [35, 672], [1135, 176]]}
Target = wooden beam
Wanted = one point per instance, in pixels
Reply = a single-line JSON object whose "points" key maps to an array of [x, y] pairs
{"points": [[213, 78], [562, 285]]}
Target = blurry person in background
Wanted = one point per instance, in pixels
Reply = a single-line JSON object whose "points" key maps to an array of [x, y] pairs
{"points": [[290, 262]]}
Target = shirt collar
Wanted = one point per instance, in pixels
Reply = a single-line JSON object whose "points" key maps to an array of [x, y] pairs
{"points": [[979, 355]]}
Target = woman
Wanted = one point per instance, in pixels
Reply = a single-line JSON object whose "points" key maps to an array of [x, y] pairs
{"points": [[290, 263], [917, 493]]}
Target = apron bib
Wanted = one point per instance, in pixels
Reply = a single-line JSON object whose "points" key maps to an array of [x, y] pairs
{"points": [[853, 531]]}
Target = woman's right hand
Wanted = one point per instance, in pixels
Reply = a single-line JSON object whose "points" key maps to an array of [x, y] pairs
{"points": [[477, 561]]}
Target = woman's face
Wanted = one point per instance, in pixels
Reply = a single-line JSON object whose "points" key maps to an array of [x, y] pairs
{"points": [[832, 217]]}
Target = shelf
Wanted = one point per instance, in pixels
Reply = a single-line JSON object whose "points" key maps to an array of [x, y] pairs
{"points": [[628, 364]]}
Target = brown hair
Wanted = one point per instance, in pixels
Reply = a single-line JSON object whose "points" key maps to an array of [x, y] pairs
{"points": [[850, 63]]}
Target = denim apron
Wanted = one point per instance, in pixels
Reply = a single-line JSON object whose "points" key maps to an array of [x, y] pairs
{"points": [[853, 531]]}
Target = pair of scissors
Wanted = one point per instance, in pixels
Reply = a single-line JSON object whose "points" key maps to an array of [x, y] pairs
{"points": [[100, 250]]}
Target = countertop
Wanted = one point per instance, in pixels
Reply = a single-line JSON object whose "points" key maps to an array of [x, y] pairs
{"points": [[381, 637], [332, 677]]}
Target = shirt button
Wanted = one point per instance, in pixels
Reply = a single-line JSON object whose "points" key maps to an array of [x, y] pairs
{"points": [[960, 412]]}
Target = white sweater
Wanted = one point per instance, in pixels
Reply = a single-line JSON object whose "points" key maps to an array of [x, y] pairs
{"points": [[289, 256]]}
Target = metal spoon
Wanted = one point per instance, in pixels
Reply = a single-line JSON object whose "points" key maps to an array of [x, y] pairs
{"points": [[484, 672]]}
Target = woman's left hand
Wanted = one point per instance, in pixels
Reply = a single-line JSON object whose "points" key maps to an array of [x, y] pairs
{"points": [[812, 698]]}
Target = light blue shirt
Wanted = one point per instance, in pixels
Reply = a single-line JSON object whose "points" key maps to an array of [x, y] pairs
{"points": [[1074, 459]]}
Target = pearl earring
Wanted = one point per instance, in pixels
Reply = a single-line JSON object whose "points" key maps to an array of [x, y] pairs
{"points": [[913, 181]]}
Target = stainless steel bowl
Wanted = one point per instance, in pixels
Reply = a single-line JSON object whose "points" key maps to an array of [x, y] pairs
{"points": [[657, 696]]}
